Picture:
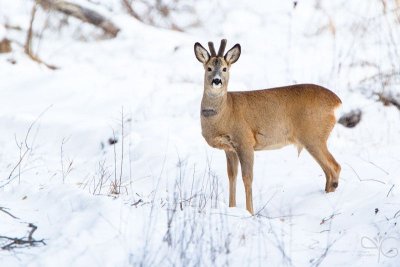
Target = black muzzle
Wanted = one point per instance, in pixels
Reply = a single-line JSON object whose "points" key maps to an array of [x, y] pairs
{"points": [[216, 81]]}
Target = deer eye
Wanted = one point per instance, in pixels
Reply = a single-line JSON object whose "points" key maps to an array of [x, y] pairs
{"points": [[209, 69], [224, 69]]}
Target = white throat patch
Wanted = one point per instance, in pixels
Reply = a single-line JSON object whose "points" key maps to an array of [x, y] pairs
{"points": [[217, 86]]}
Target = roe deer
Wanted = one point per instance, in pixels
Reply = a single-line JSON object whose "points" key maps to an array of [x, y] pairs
{"points": [[243, 122]]}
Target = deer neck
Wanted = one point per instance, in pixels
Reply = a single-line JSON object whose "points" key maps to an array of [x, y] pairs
{"points": [[212, 106]]}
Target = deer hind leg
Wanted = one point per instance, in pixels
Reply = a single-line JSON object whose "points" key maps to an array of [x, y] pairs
{"points": [[232, 161], [328, 164]]}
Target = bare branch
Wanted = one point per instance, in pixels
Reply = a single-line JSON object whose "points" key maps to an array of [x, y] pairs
{"points": [[82, 13], [6, 212], [28, 42], [24, 241], [131, 11]]}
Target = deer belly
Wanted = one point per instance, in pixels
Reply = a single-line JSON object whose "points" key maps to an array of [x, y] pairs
{"points": [[264, 142]]}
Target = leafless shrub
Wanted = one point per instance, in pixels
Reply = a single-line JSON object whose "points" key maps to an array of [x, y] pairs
{"points": [[162, 13], [65, 169], [25, 147], [328, 26], [384, 75], [209, 192], [329, 241], [380, 81], [29, 38], [116, 184], [111, 176], [101, 177], [50, 7], [389, 99], [190, 235]]}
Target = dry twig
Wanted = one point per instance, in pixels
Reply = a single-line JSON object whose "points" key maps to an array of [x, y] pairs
{"points": [[29, 241]]}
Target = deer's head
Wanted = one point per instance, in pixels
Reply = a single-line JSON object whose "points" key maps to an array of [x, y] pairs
{"points": [[216, 66]]}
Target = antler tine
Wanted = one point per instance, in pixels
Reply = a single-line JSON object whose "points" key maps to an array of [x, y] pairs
{"points": [[222, 48], [212, 49]]}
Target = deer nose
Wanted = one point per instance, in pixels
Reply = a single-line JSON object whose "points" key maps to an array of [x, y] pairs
{"points": [[216, 81]]}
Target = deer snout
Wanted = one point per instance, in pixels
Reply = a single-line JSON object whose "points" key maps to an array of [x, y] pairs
{"points": [[216, 81]]}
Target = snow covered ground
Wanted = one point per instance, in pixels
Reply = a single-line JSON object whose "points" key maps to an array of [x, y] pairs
{"points": [[143, 89]]}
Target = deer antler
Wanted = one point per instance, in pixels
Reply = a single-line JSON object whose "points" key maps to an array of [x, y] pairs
{"points": [[222, 48], [212, 49]]}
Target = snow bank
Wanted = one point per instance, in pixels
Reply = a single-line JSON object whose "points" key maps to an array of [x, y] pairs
{"points": [[172, 207]]}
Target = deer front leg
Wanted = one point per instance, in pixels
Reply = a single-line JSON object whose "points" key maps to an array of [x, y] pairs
{"points": [[232, 162], [246, 158]]}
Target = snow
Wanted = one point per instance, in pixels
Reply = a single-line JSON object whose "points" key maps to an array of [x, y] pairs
{"points": [[173, 206]]}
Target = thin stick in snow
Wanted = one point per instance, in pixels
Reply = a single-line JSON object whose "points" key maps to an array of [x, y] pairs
{"points": [[27, 148], [6, 212]]}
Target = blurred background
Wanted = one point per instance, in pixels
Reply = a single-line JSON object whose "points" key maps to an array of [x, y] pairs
{"points": [[100, 119]]}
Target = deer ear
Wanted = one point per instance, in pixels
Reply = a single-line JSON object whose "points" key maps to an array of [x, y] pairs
{"points": [[233, 54], [201, 53]]}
